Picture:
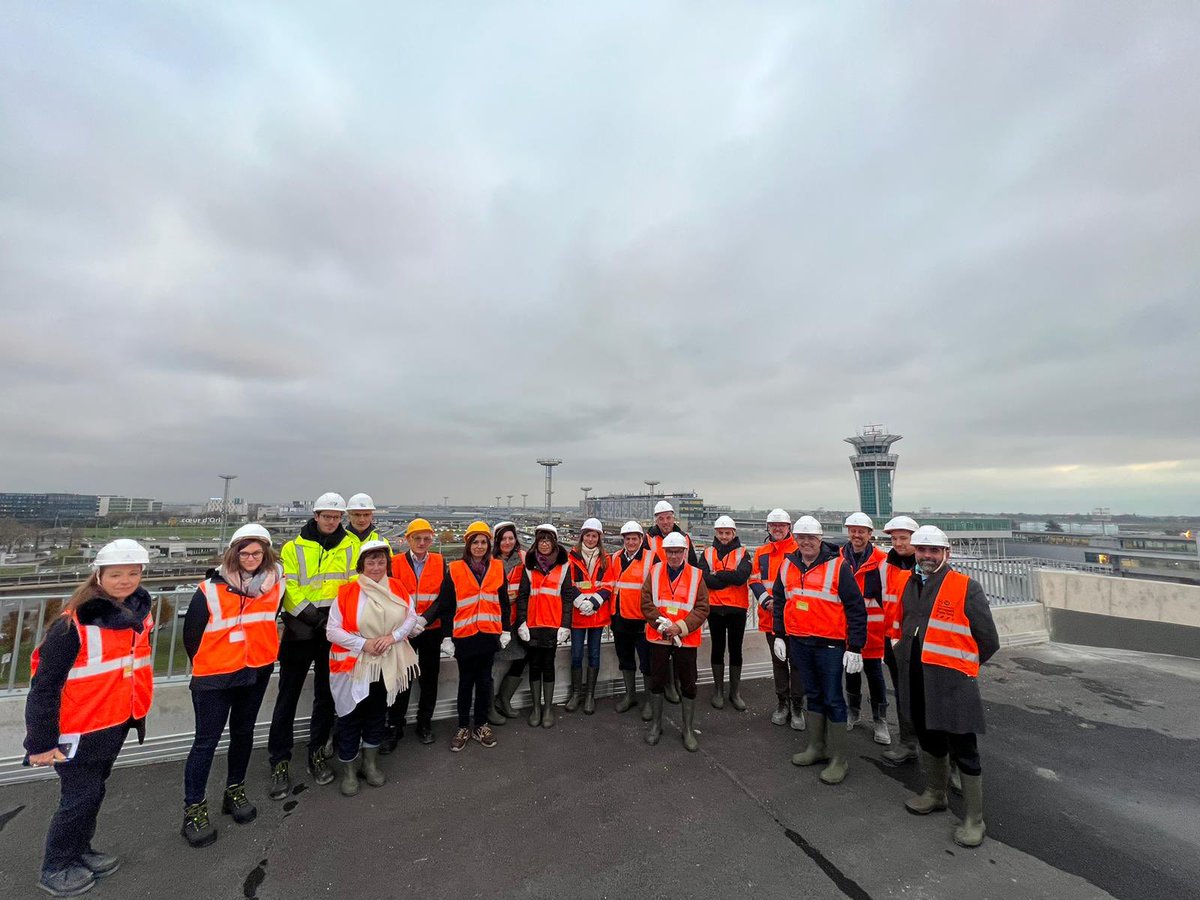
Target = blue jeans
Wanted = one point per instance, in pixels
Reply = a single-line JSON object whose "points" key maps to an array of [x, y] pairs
{"points": [[592, 637], [820, 668]]}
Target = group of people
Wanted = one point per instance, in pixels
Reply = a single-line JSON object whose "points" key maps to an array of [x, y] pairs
{"points": [[370, 622]]}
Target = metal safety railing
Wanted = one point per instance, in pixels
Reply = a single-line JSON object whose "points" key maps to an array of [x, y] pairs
{"points": [[24, 620], [1010, 581]]}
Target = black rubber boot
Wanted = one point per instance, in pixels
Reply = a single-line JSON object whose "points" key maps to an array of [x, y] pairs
{"points": [[654, 735], [687, 709], [575, 696], [735, 685], [508, 687], [535, 714], [589, 691], [647, 706], [547, 704], [494, 716], [629, 701], [718, 697], [671, 693]]}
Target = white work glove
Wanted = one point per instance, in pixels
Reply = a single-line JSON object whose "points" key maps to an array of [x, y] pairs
{"points": [[523, 632], [418, 628], [662, 624], [447, 647], [852, 662], [505, 639], [780, 650], [597, 601], [564, 635], [580, 603]]}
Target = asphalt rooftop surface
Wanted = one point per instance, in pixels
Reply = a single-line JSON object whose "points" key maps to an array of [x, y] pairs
{"points": [[1090, 774]]}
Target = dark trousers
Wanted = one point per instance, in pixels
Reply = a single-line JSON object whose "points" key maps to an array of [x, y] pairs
{"points": [[820, 667], [517, 667], [81, 783], [726, 628], [631, 644], [589, 637], [541, 663], [429, 656], [661, 656], [239, 707], [365, 724], [474, 684], [873, 669], [963, 749], [295, 659], [789, 683]]}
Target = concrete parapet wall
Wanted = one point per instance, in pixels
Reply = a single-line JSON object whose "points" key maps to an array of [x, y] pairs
{"points": [[1125, 598], [1021, 624]]}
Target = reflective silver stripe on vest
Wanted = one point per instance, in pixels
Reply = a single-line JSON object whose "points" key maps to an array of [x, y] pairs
{"points": [[953, 627], [338, 656], [952, 652], [686, 605], [825, 593], [110, 665], [477, 598]]}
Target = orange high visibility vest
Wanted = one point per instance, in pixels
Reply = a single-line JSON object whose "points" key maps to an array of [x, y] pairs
{"points": [[111, 680], [767, 560], [656, 548], [430, 585], [545, 598], [876, 617], [626, 583], [738, 595], [589, 583], [813, 607], [241, 632], [477, 608], [674, 599], [893, 580], [948, 639], [514, 586], [342, 659]]}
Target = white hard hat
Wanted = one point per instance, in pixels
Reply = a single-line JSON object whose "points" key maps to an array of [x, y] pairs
{"points": [[121, 552], [724, 522], [592, 525], [632, 527], [368, 546], [253, 530], [546, 527], [330, 501], [779, 515], [900, 523], [505, 524], [674, 541], [361, 501], [663, 506], [861, 519], [930, 536], [807, 525]]}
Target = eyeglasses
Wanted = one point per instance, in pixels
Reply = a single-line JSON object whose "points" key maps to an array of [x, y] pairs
{"points": [[250, 554]]}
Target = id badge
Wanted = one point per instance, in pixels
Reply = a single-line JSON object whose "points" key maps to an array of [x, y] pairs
{"points": [[235, 636], [802, 605]]}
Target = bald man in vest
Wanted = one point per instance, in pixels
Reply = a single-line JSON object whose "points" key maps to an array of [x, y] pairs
{"points": [[947, 632]]}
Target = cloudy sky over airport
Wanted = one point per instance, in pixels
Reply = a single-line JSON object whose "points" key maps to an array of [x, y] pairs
{"points": [[409, 250]]}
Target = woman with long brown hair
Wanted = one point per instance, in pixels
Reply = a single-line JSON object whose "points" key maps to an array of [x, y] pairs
{"points": [[591, 614], [93, 680], [230, 636]]}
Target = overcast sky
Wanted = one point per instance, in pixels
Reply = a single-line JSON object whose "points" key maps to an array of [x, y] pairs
{"points": [[330, 246]]}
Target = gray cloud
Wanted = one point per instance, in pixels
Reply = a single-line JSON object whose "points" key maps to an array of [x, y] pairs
{"points": [[411, 251]]}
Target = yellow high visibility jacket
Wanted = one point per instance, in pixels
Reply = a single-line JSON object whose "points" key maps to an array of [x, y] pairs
{"points": [[313, 574]]}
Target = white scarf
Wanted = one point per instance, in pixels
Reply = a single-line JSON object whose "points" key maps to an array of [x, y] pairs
{"points": [[382, 614]]}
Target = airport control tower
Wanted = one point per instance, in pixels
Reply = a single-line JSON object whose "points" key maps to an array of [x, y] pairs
{"points": [[874, 470]]}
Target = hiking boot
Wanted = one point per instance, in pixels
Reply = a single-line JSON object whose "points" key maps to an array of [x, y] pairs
{"points": [[654, 735], [575, 696], [718, 697], [484, 735], [796, 718], [687, 709], [629, 700], [235, 804], [349, 786], [370, 767], [589, 691], [933, 798], [781, 714], [815, 751], [970, 833], [535, 714], [281, 781], [99, 864], [319, 768], [547, 704], [839, 762], [504, 696], [460, 739], [735, 684], [197, 829], [67, 882]]}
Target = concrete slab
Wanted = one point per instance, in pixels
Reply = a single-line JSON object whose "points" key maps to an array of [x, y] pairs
{"points": [[1089, 772]]}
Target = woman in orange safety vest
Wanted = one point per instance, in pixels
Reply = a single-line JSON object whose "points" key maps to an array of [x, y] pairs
{"points": [[93, 680], [230, 635]]}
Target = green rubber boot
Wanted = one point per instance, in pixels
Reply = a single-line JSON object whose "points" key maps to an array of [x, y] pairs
{"points": [[370, 767], [718, 697], [589, 691], [937, 777], [839, 761], [535, 715], [508, 687], [735, 684], [349, 785], [815, 751], [688, 710], [547, 704], [629, 701], [654, 735], [575, 697], [671, 693], [647, 705], [970, 833]]}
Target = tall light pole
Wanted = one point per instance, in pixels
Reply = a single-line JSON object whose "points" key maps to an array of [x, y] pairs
{"points": [[497, 501], [510, 501], [224, 508], [652, 484], [523, 503], [549, 463], [586, 510], [446, 501]]}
